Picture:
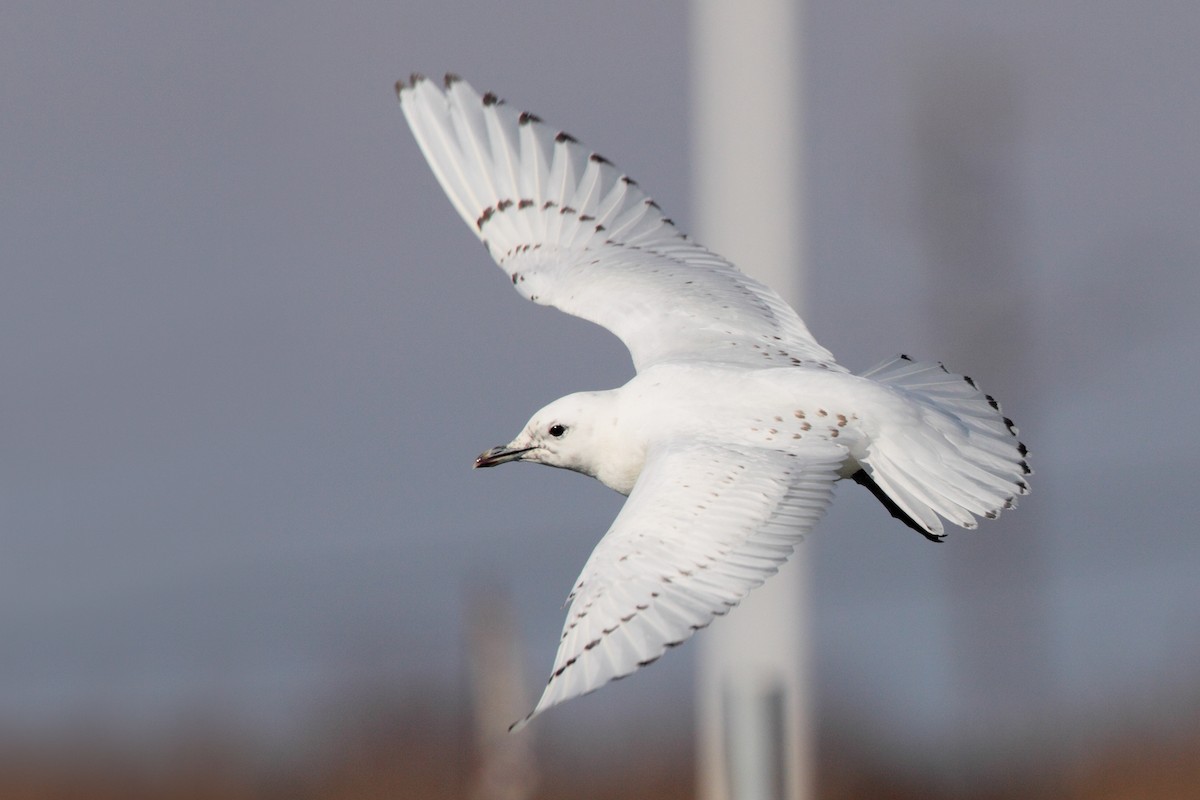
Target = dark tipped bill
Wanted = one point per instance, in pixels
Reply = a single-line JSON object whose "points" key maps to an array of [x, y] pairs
{"points": [[500, 455]]}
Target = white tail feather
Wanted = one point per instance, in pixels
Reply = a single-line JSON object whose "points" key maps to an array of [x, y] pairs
{"points": [[964, 461]]}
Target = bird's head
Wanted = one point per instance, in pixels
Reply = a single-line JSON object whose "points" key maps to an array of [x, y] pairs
{"points": [[564, 434]]}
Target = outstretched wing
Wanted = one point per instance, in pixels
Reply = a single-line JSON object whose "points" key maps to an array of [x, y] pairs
{"points": [[704, 525], [573, 232]]}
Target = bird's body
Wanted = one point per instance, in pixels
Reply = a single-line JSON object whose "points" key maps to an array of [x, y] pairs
{"points": [[679, 401], [730, 436]]}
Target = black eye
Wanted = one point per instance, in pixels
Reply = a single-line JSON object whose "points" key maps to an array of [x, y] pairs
{"points": [[557, 430]]}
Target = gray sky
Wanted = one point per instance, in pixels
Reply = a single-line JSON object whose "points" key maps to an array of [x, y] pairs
{"points": [[250, 351]]}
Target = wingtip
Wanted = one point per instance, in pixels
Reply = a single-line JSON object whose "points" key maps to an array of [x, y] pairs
{"points": [[448, 82], [403, 85], [522, 722]]}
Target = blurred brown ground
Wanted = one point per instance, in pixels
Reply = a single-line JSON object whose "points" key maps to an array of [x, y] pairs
{"points": [[412, 749]]}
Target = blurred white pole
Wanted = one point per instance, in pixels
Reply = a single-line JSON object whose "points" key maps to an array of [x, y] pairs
{"points": [[506, 769], [754, 735]]}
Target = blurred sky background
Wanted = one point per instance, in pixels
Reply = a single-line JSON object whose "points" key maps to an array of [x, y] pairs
{"points": [[249, 353]]}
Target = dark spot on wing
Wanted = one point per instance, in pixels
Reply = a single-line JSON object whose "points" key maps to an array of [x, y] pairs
{"points": [[484, 217], [563, 668]]}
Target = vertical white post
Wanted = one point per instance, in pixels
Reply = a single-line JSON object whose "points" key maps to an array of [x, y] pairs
{"points": [[507, 769], [754, 735]]}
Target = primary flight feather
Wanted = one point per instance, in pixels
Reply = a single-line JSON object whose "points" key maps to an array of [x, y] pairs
{"points": [[737, 424]]}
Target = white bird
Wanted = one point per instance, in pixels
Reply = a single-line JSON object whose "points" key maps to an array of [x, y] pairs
{"points": [[731, 435]]}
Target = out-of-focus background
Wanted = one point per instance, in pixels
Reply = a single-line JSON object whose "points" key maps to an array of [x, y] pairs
{"points": [[248, 353]]}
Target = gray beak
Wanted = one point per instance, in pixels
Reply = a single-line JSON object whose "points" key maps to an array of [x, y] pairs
{"points": [[499, 455]]}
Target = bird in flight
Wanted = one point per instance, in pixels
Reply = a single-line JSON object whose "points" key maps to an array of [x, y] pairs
{"points": [[729, 438]]}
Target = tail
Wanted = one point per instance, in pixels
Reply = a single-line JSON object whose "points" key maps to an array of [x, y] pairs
{"points": [[952, 453]]}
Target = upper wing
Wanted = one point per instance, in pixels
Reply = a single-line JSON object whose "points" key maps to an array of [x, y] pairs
{"points": [[572, 232], [704, 525]]}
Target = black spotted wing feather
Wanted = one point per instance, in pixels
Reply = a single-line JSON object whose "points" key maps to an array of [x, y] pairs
{"points": [[704, 525], [573, 232]]}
